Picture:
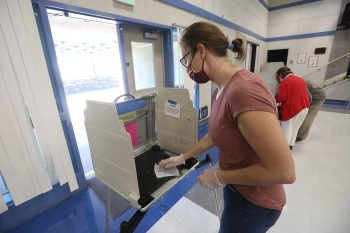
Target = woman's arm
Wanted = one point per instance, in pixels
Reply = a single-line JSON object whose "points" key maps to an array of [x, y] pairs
{"points": [[282, 93], [204, 144], [264, 134]]}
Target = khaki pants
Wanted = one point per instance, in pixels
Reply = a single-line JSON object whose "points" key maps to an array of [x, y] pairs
{"points": [[309, 119], [291, 127]]}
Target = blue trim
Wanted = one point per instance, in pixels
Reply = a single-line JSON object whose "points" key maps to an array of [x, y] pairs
{"points": [[101, 14], [205, 14], [18, 214], [293, 4], [196, 98], [210, 16], [264, 4], [130, 105], [301, 36], [57, 85], [168, 56], [122, 58], [333, 102], [165, 30]]}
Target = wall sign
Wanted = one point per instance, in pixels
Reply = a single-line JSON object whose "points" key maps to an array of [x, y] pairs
{"points": [[301, 58], [313, 61]]}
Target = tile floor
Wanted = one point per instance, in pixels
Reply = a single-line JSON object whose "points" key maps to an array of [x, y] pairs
{"points": [[318, 202]]}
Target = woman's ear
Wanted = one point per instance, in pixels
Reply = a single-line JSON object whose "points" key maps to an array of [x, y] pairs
{"points": [[201, 50]]}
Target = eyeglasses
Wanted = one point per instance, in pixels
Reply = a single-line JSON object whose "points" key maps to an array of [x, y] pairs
{"points": [[184, 61]]}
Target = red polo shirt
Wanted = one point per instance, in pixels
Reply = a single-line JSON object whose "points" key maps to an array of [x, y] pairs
{"points": [[293, 96]]}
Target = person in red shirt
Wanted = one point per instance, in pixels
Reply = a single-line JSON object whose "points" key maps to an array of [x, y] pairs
{"points": [[254, 158], [294, 101]]}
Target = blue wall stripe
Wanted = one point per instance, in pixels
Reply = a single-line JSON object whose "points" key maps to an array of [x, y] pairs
{"points": [[131, 105], [168, 57], [301, 36], [302, 2], [210, 16], [264, 4], [101, 14], [184, 6], [122, 58], [292, 4]]}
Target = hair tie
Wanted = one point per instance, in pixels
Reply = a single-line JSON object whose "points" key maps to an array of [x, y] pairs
{"points": [[231, 46]]}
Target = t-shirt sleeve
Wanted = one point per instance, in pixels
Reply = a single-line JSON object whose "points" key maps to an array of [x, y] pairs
{"points": [[282, 93], [251, 96]]}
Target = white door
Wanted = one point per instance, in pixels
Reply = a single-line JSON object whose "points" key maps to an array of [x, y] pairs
{"points": [[143, 60]]}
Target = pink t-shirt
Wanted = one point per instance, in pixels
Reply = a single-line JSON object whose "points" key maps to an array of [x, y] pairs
{"points": [[244, 92]]}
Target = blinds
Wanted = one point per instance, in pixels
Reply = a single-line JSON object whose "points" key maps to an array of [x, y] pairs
{"points": [[27, 103]]}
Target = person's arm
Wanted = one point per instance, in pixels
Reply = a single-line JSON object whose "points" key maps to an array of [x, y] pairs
{"points": [[282, 93], [264, 134], [204, 144]]}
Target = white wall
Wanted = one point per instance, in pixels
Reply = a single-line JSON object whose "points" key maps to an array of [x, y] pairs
{"points": [[250, 14], [314, 17], [339, 92], [305, 45]]}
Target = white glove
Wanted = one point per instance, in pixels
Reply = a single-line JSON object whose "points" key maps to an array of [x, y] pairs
{"points": [[172, 161], [209, 179]]}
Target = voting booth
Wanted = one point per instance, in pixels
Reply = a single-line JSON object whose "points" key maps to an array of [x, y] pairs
{"points": [[127, 139]]}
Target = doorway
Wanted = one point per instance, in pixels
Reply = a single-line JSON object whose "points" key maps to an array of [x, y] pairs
{"points": [[252, 57], [88, 56], [100, 59]]}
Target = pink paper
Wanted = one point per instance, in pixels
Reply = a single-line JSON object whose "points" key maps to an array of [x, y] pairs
{"points": [[131, 128]]}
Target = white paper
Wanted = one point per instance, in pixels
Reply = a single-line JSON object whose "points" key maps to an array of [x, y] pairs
{"points": [[172, 108], [301, 58], [313, 61], [165, 172]]}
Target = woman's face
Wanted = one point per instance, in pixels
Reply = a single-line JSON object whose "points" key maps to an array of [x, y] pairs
{"points": [[192, 60]]}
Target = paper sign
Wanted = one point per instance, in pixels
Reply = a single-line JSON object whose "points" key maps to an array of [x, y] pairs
{"points": [[172, 108], [313, 61], [301, 58]]}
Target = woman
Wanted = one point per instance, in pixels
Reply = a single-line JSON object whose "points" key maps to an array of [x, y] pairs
{"points": [[254, 158], [294, 101]]}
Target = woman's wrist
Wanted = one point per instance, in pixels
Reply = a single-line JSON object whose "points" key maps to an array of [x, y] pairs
{"points": [[185, 156], [219, 175]]}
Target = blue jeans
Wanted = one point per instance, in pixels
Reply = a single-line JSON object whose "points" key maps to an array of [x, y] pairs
{"points": [[241, 216]]}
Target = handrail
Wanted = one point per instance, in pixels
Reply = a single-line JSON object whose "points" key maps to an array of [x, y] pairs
{"points": [[334, 84], [319, 68]]}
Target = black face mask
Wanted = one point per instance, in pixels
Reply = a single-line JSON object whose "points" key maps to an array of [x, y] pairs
{"points": [[198, 77]]}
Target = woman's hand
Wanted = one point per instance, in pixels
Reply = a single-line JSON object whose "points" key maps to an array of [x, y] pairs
{"points": [[172, 161], [209, 179]]}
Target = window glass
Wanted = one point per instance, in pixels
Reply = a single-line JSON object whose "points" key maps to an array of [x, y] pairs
{"points": [[143, 61]]}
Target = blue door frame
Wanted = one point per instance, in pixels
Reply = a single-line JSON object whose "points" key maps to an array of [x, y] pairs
{"points": [[18, 214]]}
